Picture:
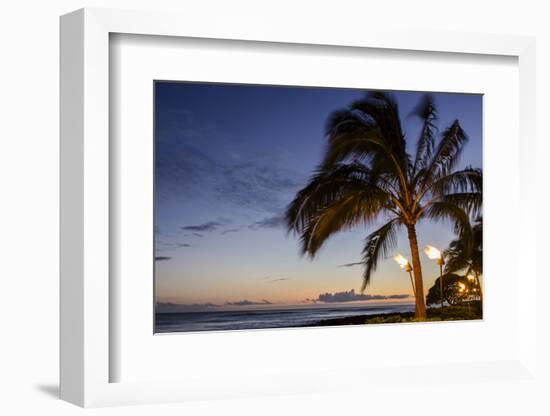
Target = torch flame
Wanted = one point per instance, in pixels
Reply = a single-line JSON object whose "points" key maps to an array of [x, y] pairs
{"points": [[402, 261], [432, 252]]}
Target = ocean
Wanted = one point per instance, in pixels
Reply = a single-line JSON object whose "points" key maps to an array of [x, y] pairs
{"points": [[265, 318]]}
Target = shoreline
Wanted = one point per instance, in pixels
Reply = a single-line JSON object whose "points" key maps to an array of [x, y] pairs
{"points": [[358, 319], [462, 312], [466, 312]]}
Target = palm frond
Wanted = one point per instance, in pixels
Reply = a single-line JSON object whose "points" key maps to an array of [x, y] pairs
{"points": [[368, 131], [377, 246], [465, 180], [456, 256], [350, 137], [426, 111], [447, 211], [381, 109], [344, 214], [466, 251], [470, 202], [334, 200], [324, 188], [446, 154]]}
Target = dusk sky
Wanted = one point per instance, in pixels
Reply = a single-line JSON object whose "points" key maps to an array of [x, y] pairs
{"points": [[230, 158]]}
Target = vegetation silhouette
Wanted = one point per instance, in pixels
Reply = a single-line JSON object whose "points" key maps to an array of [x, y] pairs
{"points": [[367, 175], [456, 289], [466, 253]]}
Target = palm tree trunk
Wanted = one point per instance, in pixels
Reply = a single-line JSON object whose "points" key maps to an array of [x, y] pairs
{"points": [[417, 269], [476, 274], [409, 270]]}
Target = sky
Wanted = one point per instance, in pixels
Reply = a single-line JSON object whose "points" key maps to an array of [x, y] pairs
{"points": [[228, 160]]}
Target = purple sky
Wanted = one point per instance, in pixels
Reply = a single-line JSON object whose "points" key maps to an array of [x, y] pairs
{"points": [[229, 158]]}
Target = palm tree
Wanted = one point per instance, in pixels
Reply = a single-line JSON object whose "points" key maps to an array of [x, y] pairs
{"points": [[466, 253], [367, 175]]}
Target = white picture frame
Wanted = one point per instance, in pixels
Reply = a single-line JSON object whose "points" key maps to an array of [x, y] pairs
{"points": [[86, 355]]}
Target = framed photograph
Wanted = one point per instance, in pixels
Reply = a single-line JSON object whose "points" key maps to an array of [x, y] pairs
{"points": [[274, 212], [318, 163]]}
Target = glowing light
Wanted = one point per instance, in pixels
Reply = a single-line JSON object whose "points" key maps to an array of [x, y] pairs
{"points": [[462, 287], [471, 277], [432, 252], [402, 261]]}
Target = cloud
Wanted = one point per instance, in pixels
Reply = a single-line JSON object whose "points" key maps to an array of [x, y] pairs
{"points": [[163, 246], [352, 264], [166, 307], [198, 235], [260, 185], [162, 258], [248, 303], [351, 296], [281, 279], [232, 230], [269, 222], [179, 167], [256, 186], [207, 226]]}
